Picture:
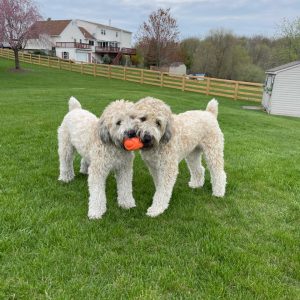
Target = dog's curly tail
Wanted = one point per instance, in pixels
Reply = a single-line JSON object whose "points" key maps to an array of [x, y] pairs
{"points": [[74, 103], [212, 107]]}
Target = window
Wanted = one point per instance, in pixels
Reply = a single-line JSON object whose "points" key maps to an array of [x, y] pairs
{"points": [[80, 41], [103, 31], [103, 44], [65, 55], [91, 43], [113, 44], [117, 34]]}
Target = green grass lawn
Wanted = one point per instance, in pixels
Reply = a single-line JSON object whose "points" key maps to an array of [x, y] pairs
{"points": [[245, 246]]}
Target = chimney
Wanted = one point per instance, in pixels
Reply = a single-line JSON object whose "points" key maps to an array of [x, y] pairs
{"points": [[49, 19]]}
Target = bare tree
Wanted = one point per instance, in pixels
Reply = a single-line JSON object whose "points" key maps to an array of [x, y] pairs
{"points": [[158, 38], [16, 19]]}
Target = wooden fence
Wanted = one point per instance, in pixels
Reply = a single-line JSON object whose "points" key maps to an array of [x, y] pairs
{"points": [[237, 90]]}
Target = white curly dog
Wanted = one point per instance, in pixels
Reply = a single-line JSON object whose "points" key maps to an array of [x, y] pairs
{"points": [[169, 138], [99, 141]]}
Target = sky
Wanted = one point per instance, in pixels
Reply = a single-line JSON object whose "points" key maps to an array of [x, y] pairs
{"points": [[194, 17]]}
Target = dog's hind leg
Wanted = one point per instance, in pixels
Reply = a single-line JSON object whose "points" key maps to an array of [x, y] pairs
{"points": [[214, 157], [66, 155], [197, 171], [124, 176], [84, 166]]}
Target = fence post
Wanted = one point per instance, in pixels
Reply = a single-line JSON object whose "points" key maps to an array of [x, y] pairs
{"points": [[49, 61], [59, 63], [207, 86], [142, 76], [161, 79], [236, 90], [81, 68], [39, 59], [8, 54], [109, 71], [183, 83], [94, 69], [30, 58], [70, 64], [125, 70]]}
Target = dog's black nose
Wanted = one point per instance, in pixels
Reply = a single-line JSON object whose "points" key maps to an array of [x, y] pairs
{"points": [[147, 139], [131, 133]]}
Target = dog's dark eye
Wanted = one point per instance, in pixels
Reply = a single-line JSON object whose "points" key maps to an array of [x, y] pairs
{"points": [[158, 123], [118, 123], [143, 119]]}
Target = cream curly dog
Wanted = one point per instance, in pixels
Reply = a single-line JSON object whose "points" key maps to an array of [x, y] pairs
{"points": [[100, 144], [169, 138]]}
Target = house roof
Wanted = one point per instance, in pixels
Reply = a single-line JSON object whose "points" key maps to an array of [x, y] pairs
{"points": [[50, 27], [86, 34], [106, 26], [284, 67]]}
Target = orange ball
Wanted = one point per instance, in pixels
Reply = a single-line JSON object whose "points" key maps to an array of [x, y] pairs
{"points": [[131, 144]]}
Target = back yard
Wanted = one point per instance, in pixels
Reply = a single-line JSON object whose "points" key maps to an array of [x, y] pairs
{"points": [[245, 246]]}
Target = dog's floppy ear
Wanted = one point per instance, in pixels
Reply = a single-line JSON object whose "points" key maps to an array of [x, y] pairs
{"points": [[103, 132], [168, 132]]}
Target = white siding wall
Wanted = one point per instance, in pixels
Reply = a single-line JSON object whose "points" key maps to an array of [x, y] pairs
{"points": [[72, 32], [71, 51], [123, 37], [74, 54], [90, 27], [286, 93]]}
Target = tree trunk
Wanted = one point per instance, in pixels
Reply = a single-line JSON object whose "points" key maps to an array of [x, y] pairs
{"points": [[17, 62]]}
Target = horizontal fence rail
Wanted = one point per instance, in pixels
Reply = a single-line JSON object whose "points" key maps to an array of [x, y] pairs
{"points": [[237, 90]]}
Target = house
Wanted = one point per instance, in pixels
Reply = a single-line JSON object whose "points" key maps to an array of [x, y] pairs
{"points": [[282, 90], [80, 41]]}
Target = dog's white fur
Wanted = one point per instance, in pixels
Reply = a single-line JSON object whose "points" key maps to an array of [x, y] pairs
{"points": [[100, 144], [176, 137]]}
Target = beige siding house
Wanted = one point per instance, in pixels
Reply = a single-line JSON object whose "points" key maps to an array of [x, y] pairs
{"points": [[282, 90]]}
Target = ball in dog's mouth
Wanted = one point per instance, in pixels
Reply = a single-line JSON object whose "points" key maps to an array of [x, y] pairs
{"points": [[132, 144]]}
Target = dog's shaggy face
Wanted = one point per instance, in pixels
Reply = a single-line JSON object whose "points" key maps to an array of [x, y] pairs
{"points": [[117, 123], [154, 122]]}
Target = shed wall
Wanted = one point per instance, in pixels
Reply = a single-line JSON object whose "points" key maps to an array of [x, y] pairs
{"points": [[286, 93]]}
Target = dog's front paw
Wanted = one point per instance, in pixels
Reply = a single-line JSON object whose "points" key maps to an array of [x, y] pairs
{"points": [[219, 193], [154, 211], [196, 184], [127, 203], [94, 215], [84, 171], [66, 178]]}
